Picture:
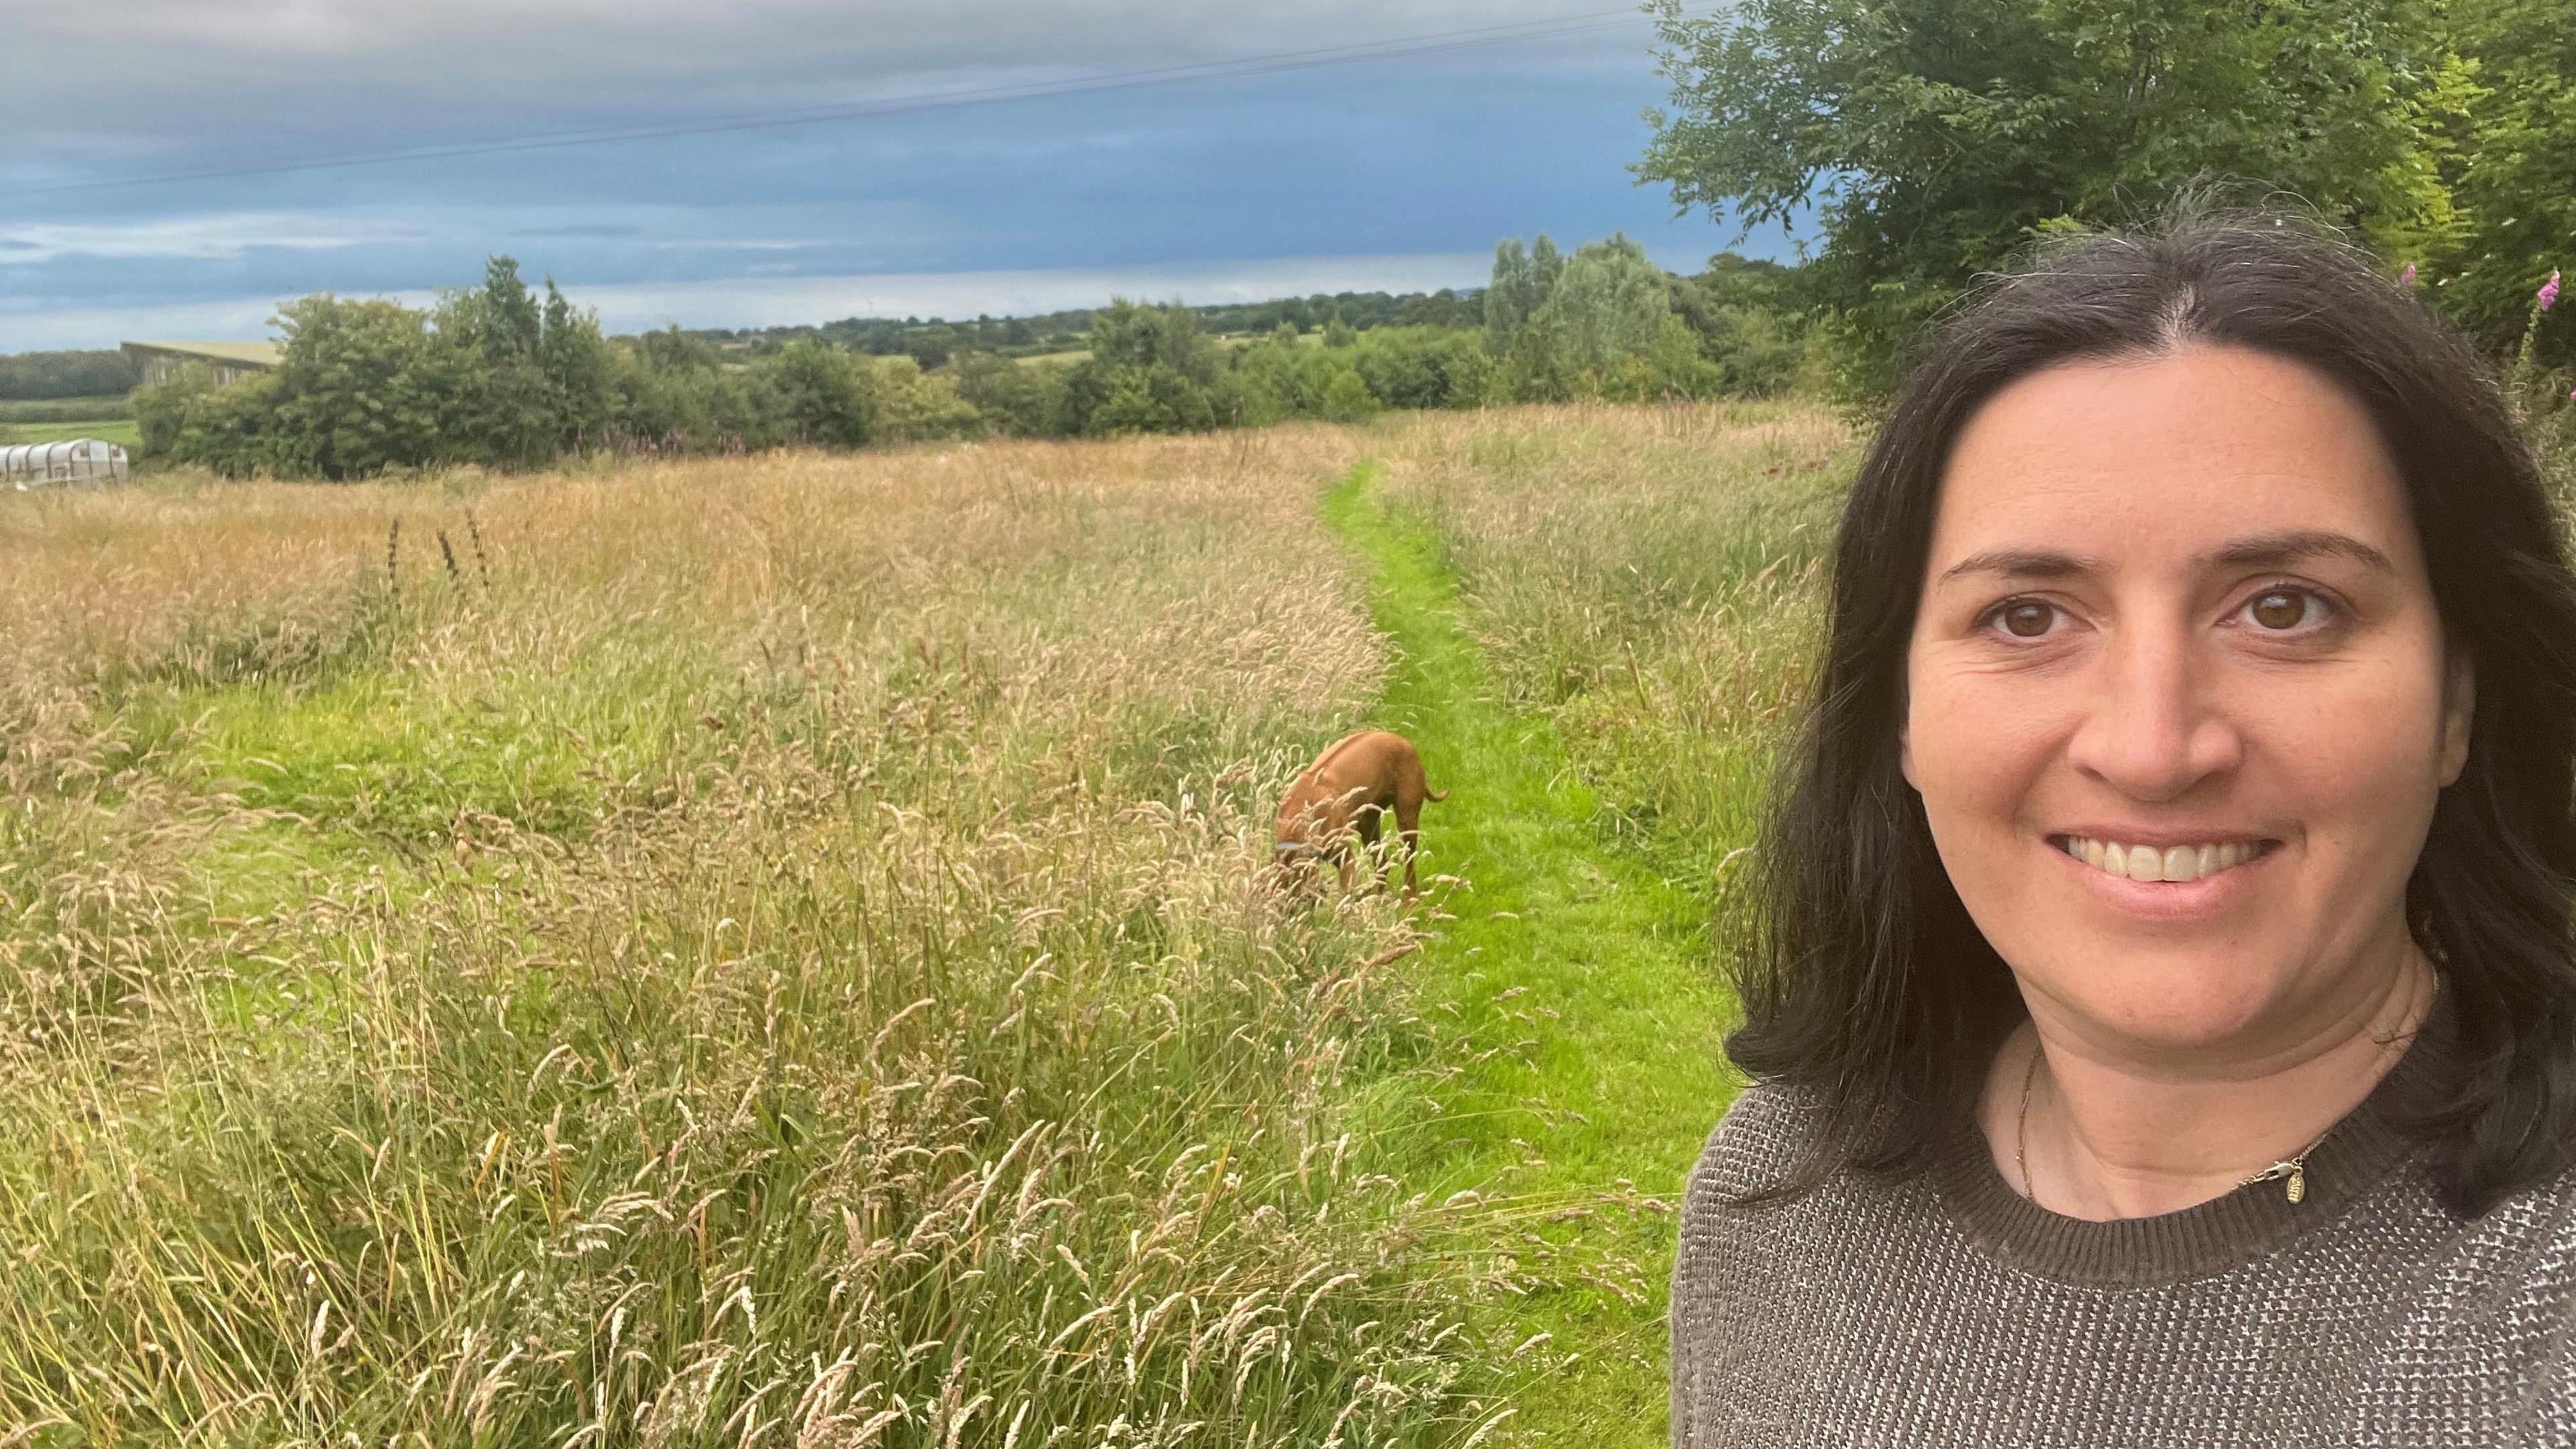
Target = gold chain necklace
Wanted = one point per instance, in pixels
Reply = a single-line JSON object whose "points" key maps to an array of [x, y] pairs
{"points": [[2293, 1168]]}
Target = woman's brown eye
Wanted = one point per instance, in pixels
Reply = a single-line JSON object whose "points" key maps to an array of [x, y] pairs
{"points": [[2281, 609], [2027, 621]]}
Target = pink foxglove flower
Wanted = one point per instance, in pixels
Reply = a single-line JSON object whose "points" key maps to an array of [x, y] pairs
{"points": [[2549, 291], [2406, 278]]}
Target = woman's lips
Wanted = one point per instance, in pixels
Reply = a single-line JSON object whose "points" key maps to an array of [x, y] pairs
{"points": [[2187, 861]]}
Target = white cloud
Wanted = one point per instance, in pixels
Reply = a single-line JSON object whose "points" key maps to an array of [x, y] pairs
{"points": [[748, 244], [770, 301], [215, 237], [240, 319]]}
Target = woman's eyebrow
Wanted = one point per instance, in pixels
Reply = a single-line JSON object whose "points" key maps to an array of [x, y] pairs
{"points": [[2274, 549], [2262, 550], [2022, 563]]}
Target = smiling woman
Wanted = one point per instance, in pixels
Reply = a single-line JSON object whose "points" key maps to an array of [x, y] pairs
{"points": [[2166, 1026]]}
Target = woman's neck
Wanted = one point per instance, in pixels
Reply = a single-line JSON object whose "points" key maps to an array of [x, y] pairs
{"points": [[2092, 1134]]}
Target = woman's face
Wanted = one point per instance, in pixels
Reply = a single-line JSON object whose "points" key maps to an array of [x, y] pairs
{"points": [[2178, 702]]}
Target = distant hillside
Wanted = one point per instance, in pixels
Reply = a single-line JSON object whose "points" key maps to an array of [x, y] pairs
{"points": [[933, 341]]}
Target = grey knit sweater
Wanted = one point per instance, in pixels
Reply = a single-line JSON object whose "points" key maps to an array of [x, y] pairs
{"points": [[1944, 1309]]}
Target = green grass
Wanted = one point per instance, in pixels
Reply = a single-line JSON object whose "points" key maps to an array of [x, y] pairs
{"points": [[46, 410], [1588, 977], [124, 432]]}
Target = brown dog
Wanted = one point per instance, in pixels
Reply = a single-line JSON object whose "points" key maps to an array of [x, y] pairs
{"points": [[1345, 793]]}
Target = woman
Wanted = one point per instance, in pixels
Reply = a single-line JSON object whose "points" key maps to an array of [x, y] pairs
{"points": [[2164, 1030]]}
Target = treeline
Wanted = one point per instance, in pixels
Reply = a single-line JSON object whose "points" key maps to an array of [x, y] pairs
{"points": [[508, 376], [45, 376], [503, 377], [937, 341]]}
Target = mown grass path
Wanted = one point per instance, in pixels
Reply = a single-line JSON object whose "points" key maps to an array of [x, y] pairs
{"points": [[1586, 975]]}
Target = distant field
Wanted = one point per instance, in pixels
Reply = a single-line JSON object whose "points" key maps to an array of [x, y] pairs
{"points": [[47, 410], [741, 951], [1226, 339], [124, 432]]}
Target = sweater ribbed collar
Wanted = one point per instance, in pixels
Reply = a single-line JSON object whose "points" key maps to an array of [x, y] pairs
{"points": [[2213, 1237]]}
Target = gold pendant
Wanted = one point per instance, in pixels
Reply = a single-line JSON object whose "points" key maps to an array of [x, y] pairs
{"points": [[2298, 1183]]}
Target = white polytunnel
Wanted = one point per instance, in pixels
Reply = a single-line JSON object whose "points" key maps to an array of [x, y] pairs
{"points": [[51, 465]]}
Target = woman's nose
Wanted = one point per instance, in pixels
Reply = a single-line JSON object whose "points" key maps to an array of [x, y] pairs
{"points": [[2153, 727]]}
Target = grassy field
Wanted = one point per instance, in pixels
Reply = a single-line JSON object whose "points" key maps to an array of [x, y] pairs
{"points": [[124, 432], [1224, 339], [46, 410], [774, 951]]}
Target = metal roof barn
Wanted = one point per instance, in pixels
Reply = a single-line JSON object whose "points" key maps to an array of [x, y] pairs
{"points": [[161, 361], [80, 461]]}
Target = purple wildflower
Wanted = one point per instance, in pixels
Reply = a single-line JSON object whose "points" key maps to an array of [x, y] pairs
{"points": [[2549, 290], [2406, 278]]}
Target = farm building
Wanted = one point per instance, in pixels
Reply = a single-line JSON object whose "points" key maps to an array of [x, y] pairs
{"points": [[161, 361], [53, 465]]}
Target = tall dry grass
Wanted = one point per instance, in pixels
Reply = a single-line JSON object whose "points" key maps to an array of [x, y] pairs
{"points": [[740, 952]]}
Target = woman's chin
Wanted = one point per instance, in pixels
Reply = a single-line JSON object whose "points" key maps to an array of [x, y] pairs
{"points": [[2172, 1015]]}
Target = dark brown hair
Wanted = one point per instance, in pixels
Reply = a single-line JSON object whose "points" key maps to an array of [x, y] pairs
{"points": [[1870, 987]]}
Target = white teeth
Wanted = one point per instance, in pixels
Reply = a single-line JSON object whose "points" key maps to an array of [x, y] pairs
{"points": [[2150, 863]]}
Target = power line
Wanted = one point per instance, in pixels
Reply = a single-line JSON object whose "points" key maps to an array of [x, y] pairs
{"points": [[1244, 66]]}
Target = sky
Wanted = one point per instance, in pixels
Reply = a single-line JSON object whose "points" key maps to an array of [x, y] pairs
{"points": [[1343, 166]]}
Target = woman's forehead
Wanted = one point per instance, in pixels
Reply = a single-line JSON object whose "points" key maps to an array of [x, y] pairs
{"points": [[2180, 456]]}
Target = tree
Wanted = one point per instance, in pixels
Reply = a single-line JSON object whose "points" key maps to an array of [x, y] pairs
{"points": [[1423, 367], [1748, 321], [1936, 139], [1152, 399], [1132, 334], [915, 406], [1612, 303], [671, 391], [2509, 118], [574, 359], [161, 412], [242, 429], [1521, 281], [1024, 399], [1150, 371], [1742, 282], [366, 386], [823, 394], [1346, 398], [499, 330]]}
